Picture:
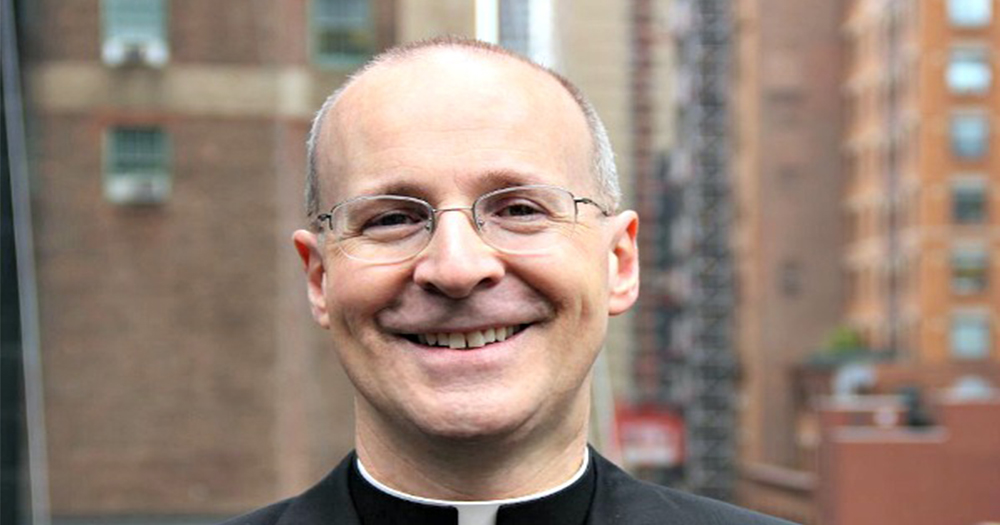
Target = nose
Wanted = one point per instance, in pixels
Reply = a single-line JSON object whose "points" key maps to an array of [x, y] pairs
{"points": [[457, 261]]}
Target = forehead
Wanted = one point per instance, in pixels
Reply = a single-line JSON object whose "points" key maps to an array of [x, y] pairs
{"points": [[455, 118]]}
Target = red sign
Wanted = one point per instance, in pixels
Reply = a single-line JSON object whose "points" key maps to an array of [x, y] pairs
{"points": [[650, 436]]}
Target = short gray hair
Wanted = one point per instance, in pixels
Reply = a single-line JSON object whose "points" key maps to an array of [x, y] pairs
{"points": [[603, 161]]}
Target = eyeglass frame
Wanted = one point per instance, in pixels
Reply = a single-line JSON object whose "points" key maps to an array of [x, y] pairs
{"points": [[433, 218]]}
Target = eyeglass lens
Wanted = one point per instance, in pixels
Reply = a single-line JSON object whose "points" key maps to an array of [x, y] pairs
{"points": [[517, 220]]}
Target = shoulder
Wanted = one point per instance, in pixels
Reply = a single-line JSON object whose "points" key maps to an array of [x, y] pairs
{"points": [[622, 499], [268, 515], [327, 502]]}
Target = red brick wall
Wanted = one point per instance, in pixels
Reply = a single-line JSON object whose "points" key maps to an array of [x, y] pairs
{"points": [[157, 337], [947, 475]]}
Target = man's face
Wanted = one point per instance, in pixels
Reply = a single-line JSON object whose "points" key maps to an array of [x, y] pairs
{"points": [[448, 127]]}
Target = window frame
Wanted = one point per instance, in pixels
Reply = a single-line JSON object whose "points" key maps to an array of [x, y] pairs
{"points": [[146, 42], [965, 62], [973, 320], [319, 22], [151, 184], [983, 147], [952, 9], [969, 185], [970, 268]]}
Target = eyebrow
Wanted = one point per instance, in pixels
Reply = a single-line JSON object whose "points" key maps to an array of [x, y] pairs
{"points": [[489, 181]]}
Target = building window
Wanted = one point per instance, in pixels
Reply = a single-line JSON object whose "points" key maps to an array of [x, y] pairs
{"points": [[969, 268], [970, 336], [968, 202], [525, 27], [969, 135], [790, 278], [343, 33], [968, 70], [970, 13], [137, 167], [135, 32]]}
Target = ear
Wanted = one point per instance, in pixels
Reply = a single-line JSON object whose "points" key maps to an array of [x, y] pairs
{"points": [[307, 244], [623, 263]]}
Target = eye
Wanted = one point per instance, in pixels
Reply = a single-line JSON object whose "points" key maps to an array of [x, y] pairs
{"points": [[394, 218], [520, 209], [383, 219]]}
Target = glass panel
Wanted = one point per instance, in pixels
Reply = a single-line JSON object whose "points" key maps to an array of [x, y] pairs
{"points": [[342, 30], [137, 166], [135, 150], [970, 12], [134, 20], [969, 71], [515, 33], [970, 337], [968, 135], [968, 203], [968, 270]]}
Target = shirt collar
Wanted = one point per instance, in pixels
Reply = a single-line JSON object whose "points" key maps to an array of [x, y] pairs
{"points": [[566, 503]]}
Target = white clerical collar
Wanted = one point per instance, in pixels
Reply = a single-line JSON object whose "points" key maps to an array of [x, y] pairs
{"points": [[475, 512]]}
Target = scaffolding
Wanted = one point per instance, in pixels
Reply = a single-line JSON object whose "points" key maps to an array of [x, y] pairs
{"points": [[702, 332]]}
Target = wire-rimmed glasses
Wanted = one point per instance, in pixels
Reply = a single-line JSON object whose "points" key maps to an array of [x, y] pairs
{"points": [[518, 220]]}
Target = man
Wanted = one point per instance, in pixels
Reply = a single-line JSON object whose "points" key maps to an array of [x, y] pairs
{"points": [[465, 257]]}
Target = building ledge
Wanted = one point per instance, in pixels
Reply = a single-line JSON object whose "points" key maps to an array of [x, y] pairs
{"points": [[779, 476]]}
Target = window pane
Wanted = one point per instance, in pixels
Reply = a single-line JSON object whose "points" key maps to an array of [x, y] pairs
{"points": [[969, 267], [969, 136], [968, 203], [342, 30], [134, 20], [970, 12], [137, 149], [137, 166], [970, 337], [969, 71]]}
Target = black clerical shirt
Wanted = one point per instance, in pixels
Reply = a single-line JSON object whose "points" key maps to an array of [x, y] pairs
{"points": [[568, 506]]}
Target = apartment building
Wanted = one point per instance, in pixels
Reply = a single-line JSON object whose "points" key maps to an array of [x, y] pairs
{"points": [[922, 171]]}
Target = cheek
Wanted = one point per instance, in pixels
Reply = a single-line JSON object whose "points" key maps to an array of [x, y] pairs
{"points": [[574, 279], [356, 293]]}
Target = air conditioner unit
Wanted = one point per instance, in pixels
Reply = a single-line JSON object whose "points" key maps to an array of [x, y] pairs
{"points": [[137, 188], [119, 52]]}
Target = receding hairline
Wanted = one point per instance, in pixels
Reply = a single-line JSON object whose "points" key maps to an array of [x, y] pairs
{"points": [[603, 157]]}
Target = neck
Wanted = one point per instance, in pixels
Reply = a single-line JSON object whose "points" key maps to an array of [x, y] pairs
{"points": [[472, 469]]}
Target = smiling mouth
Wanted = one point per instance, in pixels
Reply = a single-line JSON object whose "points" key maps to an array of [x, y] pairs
{"points": [[470, 339]]}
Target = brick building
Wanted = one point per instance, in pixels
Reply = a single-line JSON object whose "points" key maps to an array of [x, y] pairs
{"points": [[181, 373], [922, 170], [788, 236], [184, 379], [876, 469], [916, 212], [786, 181]]}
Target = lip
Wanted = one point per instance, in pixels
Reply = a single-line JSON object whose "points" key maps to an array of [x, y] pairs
{"points": [[498, 347], [465, 339]]}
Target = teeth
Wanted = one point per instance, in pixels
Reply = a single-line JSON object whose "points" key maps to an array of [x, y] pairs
{"points": [[473, 339]]}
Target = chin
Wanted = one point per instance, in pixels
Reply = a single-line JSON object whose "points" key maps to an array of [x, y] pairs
{"points": [[474, 423]]}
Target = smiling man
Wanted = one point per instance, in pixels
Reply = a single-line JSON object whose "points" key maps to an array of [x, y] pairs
{"points": [[465, 255]]}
